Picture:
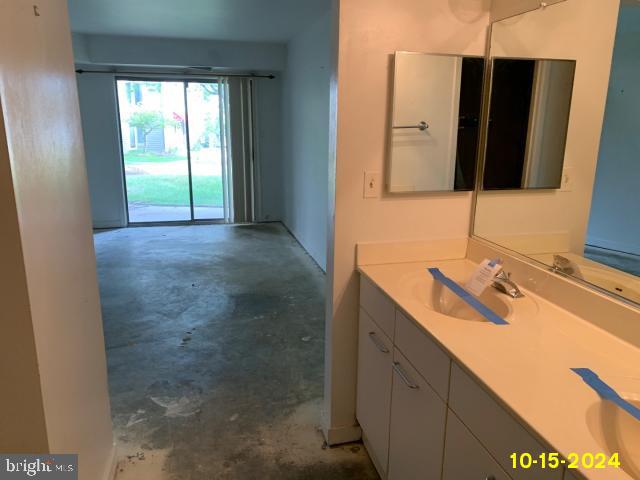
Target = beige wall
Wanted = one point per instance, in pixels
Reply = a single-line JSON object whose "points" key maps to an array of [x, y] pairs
{"points": [[542, 221], [22, 426], [370, 31], [44, 144], [507, 8]]}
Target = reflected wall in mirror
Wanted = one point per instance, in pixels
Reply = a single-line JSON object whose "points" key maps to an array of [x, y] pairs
{"points": [[435, 122], [589, 228], [528, 120]]}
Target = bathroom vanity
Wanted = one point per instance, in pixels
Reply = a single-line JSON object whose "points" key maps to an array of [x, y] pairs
{"points": [[445, 394]]}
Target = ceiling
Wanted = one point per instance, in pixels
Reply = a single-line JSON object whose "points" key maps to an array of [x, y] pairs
{"points": [[238, 20]]}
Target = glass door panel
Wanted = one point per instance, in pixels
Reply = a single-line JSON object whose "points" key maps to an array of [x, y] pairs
{"points": [[203, 106], [154, 147]]}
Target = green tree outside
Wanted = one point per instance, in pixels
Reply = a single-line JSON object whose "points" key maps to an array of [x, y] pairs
{"points": [[147, 121]]}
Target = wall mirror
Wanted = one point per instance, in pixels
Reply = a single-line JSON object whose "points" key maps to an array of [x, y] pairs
{"points": [[433, 137], [578, 214]]}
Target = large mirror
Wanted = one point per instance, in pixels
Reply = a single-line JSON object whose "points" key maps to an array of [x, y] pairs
{"points": [[433, 138], [563, 185]]}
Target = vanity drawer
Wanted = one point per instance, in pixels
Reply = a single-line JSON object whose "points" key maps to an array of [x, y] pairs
{"points": [[497, 430], [379, 307], [423, 353]]}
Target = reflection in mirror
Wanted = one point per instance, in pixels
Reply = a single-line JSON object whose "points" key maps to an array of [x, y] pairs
{"points": [[613, 234], [528, 120], [435, 122], [588, 229]]}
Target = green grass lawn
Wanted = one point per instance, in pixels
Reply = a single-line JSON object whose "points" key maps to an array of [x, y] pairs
{"points": [[137, 156], [174, 190]]}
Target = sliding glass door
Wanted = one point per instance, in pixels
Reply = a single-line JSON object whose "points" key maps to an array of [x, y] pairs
{"points": [[174, 149], [205, 147]]}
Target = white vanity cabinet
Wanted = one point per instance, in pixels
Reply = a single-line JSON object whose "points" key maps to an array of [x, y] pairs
{"points": [[422, 416], [465, 458], [375, 360], [417, 425], [572, 475], [498, 431]]}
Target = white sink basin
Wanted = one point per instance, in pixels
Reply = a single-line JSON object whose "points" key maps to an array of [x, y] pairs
{"points": [[437, 297], [615, 430], [448, 303]]}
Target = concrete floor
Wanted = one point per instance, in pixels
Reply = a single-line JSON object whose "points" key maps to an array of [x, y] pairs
{"points": [[215, 339]]}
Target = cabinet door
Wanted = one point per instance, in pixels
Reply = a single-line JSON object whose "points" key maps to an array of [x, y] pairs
{"points": [[500, 433], [374, 389], [417, 425], [572, 475], [465, 458]]}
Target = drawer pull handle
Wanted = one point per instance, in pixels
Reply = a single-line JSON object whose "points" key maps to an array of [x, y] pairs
{"points": [[403, 375], [378, 343]]}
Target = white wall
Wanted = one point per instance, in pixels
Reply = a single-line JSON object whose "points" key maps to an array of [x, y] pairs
{"points": [[614, 222], [306, 137], [51, 217], [100, 124], [22, 421], [581, 30], [124, 50], [501, 9], [370, 31]]}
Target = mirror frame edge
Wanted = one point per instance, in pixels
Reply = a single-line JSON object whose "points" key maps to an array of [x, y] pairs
{"points": [[480, 164]]}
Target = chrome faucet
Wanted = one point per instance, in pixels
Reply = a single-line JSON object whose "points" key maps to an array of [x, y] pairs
{"points": [[503, 283], [564, 265]]}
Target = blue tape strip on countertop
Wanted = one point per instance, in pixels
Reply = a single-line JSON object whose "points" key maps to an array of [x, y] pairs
{"points": [[605, 391], [467, 297]]}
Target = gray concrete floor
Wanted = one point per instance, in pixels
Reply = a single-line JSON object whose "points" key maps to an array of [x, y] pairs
{"points": [[215, 340]]}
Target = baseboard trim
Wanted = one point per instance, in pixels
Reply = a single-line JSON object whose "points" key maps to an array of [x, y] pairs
{"points": [[281, 222], [339, 435], [112, 465]]}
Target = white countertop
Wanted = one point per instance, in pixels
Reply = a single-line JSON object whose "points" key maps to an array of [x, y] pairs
{"points": [[527, 363]]}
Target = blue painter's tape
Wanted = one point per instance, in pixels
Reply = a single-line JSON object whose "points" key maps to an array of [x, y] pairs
{"points": [[467, 297], [606, 392]]}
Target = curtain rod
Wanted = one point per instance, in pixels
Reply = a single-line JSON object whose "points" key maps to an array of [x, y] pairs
{"points": [[80, 71]]}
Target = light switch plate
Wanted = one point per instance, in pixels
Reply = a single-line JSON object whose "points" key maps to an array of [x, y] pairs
{"points": [[372, 184]]}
